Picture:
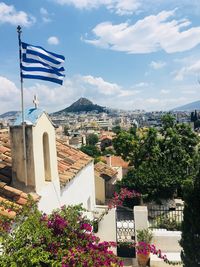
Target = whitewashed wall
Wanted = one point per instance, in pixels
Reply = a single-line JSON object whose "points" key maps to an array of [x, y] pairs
{"points": [[107, 227], [50, 197], [81, 189], [44, 125]]}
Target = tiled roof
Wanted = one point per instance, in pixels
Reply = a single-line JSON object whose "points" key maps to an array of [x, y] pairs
{"points": [[70, 161], [106, 135], [101, 168], [5, 160], [116, 161], [11, 199]]}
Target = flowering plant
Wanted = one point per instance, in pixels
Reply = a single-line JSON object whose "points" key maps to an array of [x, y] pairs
{"points": [[63, 239], [118, 200]]}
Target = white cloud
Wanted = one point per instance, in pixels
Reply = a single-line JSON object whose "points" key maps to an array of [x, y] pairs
{"points": [[9, 95], [157, 65], [102, 86], [45, 15], [128, 93], [151, 34], [8, 14], [189, 92], [164, 92], [141, 84], [120, 7], [152, 100], [191, 69], [96, 89], [53, 40]]}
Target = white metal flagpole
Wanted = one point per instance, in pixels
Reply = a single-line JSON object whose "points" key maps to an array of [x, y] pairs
{"points": [[19, 30]]}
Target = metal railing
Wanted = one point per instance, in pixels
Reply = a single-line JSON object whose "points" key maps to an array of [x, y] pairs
{"points": [[163, 217]]}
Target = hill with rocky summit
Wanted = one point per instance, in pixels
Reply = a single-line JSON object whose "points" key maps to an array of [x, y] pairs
{"points": [[81, 105]]}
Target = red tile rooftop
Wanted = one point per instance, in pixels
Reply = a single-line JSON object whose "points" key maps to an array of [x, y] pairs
{"points": [[116, 161], [70, 162], [103, 169]]}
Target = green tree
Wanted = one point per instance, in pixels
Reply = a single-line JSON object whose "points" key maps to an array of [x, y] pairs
{"points": [[125, 145], [91, 151], [117, 129], [162, 159], [190, 240], [92, 139], [168, 121]]}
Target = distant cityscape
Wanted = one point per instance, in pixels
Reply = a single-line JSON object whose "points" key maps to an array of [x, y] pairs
{"points": [[75, 126]]}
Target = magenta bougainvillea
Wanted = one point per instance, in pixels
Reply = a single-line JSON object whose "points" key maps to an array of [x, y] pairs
{"points": [[118, 198], [64, 238]]}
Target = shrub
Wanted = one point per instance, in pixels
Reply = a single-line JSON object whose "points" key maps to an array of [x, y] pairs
{"points": [[63, 238]]}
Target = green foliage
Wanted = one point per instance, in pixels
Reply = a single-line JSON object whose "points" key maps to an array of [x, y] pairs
{"points": [[144, 235], [63, 238], [162, 159], [91, 150], [117, 129], [125, 145], [108, 151], [92, 139], [170, 224], [190, 240], [168, 121]]}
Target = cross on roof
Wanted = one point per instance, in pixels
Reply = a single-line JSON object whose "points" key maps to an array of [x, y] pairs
{"points": [[35, 101]]}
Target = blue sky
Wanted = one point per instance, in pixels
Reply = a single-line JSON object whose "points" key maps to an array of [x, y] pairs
{"points": [[129, 54]]}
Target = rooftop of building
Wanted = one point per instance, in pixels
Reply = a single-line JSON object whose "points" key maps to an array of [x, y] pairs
{"points": [[101, 169], [70, 162]]}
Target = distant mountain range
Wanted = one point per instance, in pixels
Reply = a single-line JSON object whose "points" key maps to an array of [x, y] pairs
{"points": [[189, 107], [85, 105], [9, 114], [81, 105]]}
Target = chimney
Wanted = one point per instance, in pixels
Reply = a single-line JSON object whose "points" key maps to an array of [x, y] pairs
{"points": [[109, 160]]}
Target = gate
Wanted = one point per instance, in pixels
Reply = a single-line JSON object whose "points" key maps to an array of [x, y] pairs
{"points": [[125, 232]]}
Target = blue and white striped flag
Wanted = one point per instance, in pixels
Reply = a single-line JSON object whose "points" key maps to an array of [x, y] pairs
{"points": [[38, 63]]}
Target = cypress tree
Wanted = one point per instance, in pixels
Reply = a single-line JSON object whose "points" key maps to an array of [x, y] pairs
{"points": [[190, 240]]}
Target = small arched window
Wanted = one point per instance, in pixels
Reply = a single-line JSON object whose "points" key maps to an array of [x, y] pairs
{"points": [[46, 153]]}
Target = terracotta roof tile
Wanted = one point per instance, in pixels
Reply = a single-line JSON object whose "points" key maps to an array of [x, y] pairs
{"points": [[103, 169], [70, 162], [20, 200], [7, 212], [117, 161]]}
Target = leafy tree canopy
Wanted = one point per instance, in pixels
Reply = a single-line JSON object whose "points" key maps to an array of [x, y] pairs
{"points": [[92, 139], [162, 159], [91, 151], [191, 225]]}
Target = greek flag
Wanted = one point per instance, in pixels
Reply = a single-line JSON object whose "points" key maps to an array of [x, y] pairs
{"points": [[38, 63]]}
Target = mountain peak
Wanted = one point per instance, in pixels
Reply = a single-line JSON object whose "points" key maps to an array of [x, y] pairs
{"points": [[82, 101], [82, 105]]}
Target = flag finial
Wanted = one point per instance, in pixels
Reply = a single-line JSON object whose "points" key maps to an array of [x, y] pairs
{"points": [[19, 29]]}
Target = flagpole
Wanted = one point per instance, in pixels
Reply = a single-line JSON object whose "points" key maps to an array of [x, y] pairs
{"points": [[19, 31]]}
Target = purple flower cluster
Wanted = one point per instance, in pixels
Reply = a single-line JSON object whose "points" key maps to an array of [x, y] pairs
{"points": [[86, 226], [57, 224]]}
